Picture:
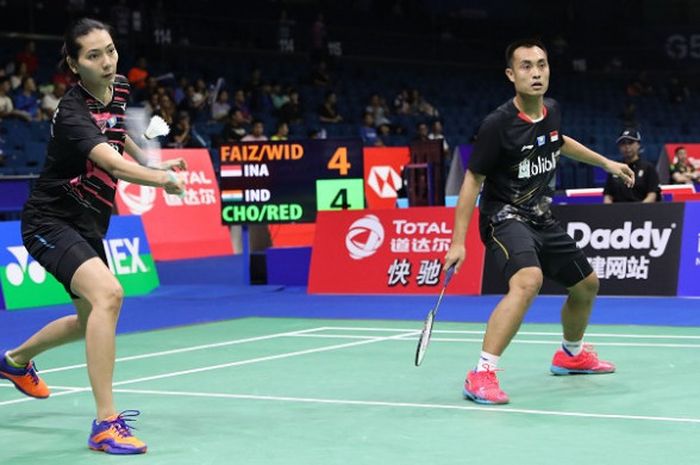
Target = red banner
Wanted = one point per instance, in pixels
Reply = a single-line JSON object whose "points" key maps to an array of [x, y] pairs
{"points": [[177, 228], [383, 169], [398, 251]]}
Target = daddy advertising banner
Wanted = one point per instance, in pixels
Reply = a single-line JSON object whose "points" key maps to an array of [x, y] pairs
{"points": [[398, 251], [177, 228], [633, 248], [689, 269], [383, 175], [25, 283]]}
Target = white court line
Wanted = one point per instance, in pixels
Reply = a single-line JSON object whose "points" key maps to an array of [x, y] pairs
{"points": [[522, 333], [605, 416], [265, 359], [232, 364], [190, 349], [514, 341]]}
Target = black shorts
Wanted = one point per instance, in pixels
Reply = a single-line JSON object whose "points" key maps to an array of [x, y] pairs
{"points": [[60, 249], [516, 245]]}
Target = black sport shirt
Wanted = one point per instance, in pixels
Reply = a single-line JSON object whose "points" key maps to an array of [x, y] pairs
{"points": [[519, 158], [72, 188]]}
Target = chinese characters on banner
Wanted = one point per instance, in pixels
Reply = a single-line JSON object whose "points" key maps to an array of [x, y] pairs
{"points": [[396, 251], [180, 227]]}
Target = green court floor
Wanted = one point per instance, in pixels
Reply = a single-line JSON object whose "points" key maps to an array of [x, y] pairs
{"points": [[292, 392]]}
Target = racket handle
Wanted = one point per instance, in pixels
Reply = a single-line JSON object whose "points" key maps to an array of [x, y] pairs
{"points": [[448, 275]]}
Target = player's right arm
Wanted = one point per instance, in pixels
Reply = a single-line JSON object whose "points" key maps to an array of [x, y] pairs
{"points": [[463, 215], [111, 161], [483, 161]]}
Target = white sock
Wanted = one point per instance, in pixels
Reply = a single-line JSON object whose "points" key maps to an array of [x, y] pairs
{"points": [[487, 362], [572, 348]]}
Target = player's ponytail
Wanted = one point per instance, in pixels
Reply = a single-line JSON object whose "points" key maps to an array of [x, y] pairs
{"points": [[71, 47]]}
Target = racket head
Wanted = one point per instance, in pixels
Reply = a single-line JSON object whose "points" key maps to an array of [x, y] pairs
{"points": [[424, 338]]}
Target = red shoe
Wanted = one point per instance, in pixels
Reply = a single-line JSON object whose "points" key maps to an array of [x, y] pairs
{"points": [[482, 387], [585, 363], [25, 379]]}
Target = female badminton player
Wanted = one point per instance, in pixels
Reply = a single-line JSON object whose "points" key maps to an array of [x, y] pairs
{"points": [[66, 218]]}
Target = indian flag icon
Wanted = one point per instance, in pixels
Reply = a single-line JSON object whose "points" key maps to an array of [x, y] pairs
{"points": [[231, 171], [232, 196]]}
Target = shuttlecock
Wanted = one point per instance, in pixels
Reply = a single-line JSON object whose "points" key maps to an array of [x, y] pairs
{"points": [[156, 127]]}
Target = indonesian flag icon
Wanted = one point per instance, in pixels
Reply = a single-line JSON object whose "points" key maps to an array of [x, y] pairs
{"points": [[554, 136], [231, 171]]}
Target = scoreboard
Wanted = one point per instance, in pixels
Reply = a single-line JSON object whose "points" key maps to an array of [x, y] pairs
{"points": [[289, 181]]}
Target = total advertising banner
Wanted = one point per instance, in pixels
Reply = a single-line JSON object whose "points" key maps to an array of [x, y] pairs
{"points": [[689, 269], [398, 251], [25, 283], [383, 175], [633, 248], [180, 227]]}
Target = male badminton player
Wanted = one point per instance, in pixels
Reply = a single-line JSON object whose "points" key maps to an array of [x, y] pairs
{"points": [[66, 218], [515, 158]]}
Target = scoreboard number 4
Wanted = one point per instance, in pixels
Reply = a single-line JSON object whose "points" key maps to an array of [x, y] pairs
{"points": [[339, 161]]}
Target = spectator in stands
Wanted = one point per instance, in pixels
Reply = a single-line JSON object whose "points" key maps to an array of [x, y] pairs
{"points": [[167, 109], [278, 97], [328, 111], [221, 107], [49, 102], [257, 133], [180, 91], [292, 111], [282, 132], [234, 130], [401, 102], [261, 100], [138, 74], [646, 183], [437, 134], [420, 106], [29, 58], [183, 135], [682, 170], [152, 106], [18, 76], [194, 102], [240, 103], [27, 100], [377, 106], [7, 108], [368, 132], [421, 132]]}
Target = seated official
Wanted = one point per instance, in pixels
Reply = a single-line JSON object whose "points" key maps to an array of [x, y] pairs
{"points": [[646, 179]]}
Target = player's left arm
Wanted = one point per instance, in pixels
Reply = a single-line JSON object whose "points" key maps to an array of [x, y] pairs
{"points": [[579, 152], [140, 156]]}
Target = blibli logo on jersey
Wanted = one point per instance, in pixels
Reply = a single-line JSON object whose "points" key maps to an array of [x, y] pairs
{"points": [[529, 168]]}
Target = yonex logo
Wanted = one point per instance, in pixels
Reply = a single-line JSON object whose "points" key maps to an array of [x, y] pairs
{"points": [[15, 272], [138, 199], [364, 237], [384, 181]]}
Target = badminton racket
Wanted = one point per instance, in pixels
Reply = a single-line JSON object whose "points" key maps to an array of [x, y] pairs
{"points": [[424, 339]]}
